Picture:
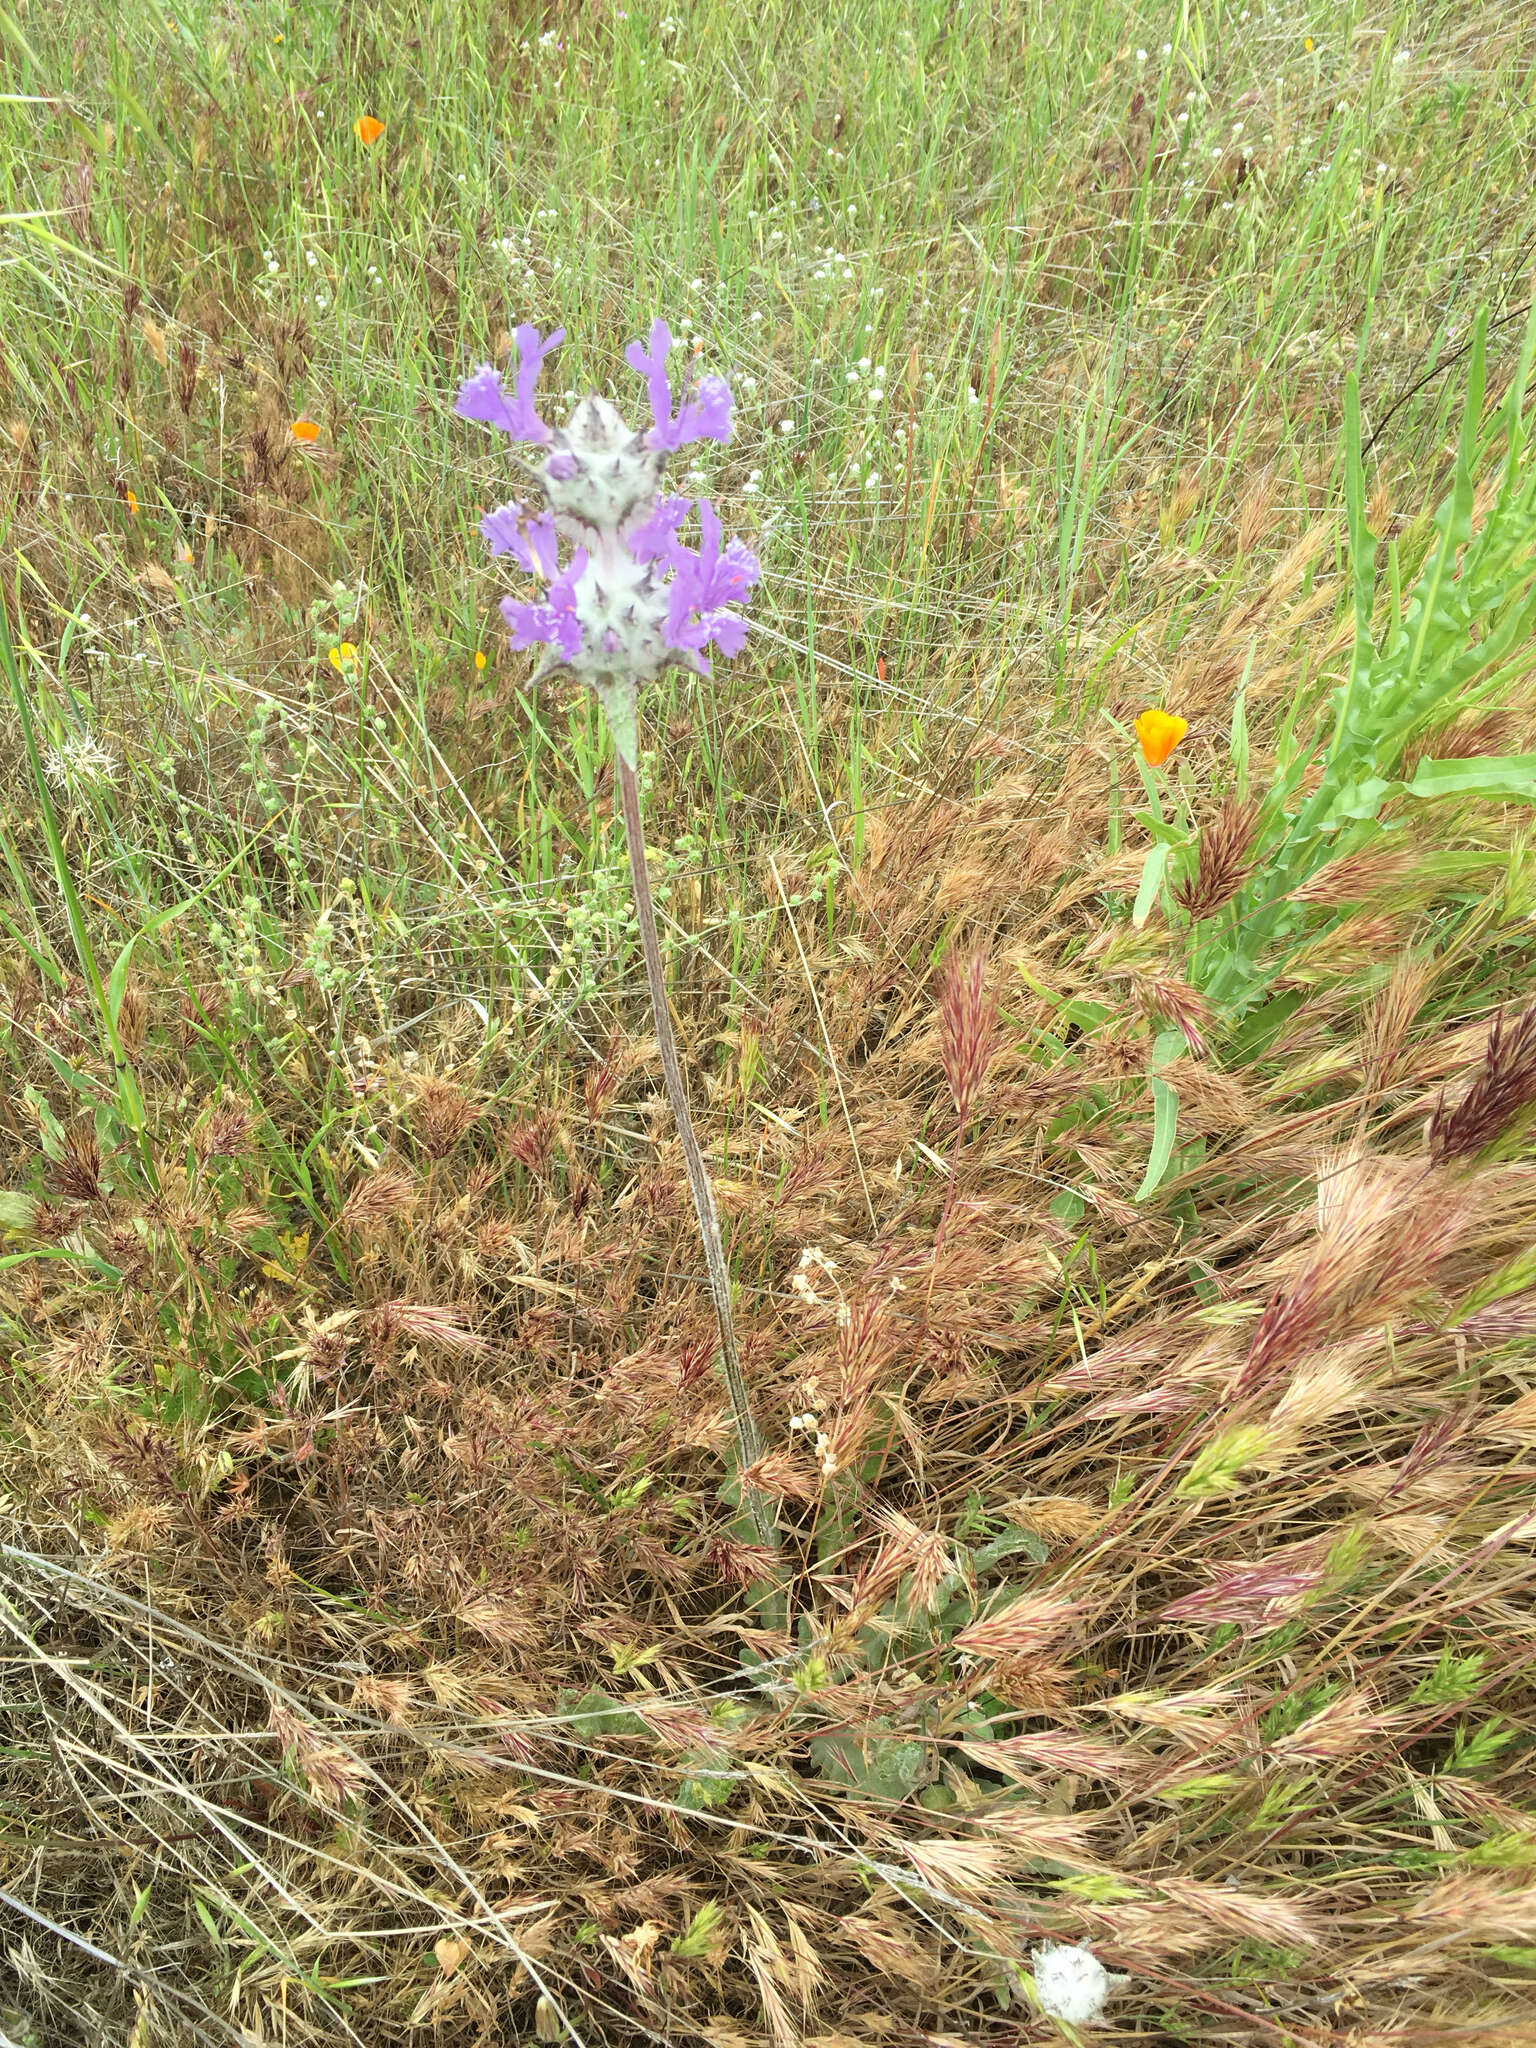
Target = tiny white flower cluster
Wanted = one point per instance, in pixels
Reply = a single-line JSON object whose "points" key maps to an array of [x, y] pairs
{"points": [[809, 1420], [826, 1457], [812, 1259]]}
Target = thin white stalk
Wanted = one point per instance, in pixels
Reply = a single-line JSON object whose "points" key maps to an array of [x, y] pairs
{"points": [[748, 1442]]}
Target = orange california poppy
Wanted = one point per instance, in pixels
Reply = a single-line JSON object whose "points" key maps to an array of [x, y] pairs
{"points": [[131, 502], [479, 659], [343, 657], [304, 430], [880, 666], [367, 130], [1159, 733]]}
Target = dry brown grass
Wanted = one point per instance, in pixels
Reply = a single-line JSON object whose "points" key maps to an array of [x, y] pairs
{"points": [[306, 1660]]}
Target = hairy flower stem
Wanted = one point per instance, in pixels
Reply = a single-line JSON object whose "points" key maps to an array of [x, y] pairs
{"points": [[749, 1444]]}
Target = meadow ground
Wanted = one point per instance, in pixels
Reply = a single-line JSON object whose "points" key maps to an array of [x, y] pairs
{"points": [[1125, 1167]]}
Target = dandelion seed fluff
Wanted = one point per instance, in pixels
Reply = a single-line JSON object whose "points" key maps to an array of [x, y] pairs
{"points": [[1071, 1984]]}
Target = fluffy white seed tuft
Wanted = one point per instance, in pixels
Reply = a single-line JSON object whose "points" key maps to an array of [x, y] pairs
{"points": [[1071, 1984]]}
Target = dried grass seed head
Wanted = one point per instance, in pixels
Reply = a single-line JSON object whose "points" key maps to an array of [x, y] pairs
{"points": [[967, 1028]]}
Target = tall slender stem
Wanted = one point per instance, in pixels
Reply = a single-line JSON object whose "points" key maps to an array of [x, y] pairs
{"points": [[749, 1444]]}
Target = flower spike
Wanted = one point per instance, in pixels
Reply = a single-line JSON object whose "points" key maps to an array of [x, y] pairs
{"points": [[632, 597], [630, 600]]}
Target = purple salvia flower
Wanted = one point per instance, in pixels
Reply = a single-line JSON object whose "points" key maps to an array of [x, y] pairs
{"points": [[705, 417], [481, 396], [723, 573], [632, 598], [652, 367], [656, 536], [705, 582], [509, 531], [554, 622]]}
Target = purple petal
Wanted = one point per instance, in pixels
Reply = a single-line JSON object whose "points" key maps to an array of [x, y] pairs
{"points": [[718, 575], [705, 417], [509, 531], [655, 536], [481, 397], [703, 583], [728, 632], [738, 570], [531, 352], [652, 366], [541, 541], [555, 621], [502, 531]]}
